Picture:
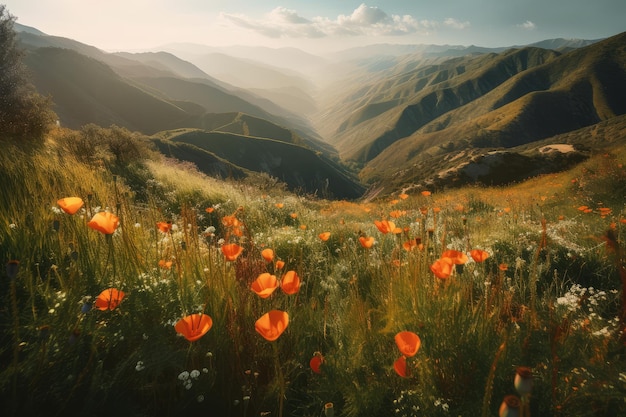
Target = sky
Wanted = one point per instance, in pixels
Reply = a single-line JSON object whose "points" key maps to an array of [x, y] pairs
{"points": [[318, 26]]}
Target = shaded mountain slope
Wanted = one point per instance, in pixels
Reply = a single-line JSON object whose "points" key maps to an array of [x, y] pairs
{"points": [[300, 168], [85, 90], [174, 80], [212, 99], [166, 62], [206, 162]]}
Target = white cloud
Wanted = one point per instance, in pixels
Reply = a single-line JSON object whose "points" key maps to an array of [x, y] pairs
{"points": [[455, 23], [364, 20], [528, 25], [287, 16]]}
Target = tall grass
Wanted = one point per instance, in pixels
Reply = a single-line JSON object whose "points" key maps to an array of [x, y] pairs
{"points": [[548, 297]]}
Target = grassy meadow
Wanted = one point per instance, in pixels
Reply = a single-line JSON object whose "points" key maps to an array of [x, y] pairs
{"points": [[95, 318]]}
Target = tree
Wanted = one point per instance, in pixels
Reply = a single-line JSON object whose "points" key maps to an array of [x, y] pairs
{"points": [[24, 114]]}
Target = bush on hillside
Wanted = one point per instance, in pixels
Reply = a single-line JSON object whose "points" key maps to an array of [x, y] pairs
{"points": [[24, 114]]}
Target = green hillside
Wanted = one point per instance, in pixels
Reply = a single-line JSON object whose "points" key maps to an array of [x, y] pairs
{"points": [[300, 168]]}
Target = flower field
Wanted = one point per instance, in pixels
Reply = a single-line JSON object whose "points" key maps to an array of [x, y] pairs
{"points": [[138, 287]]}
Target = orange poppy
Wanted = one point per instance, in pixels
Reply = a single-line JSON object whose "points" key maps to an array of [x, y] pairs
{"points": [[272, 324], [109, 299], [316, 362], [303, 227], [442, 268], [209, 210], [605, 211], [403, 196], [400, 367], [324, 236], [457, 257], [194, 326], [231, 251], [479, 255], [397, 213], [409, 245], [70, 205], [279, 205], [164, 227], [408, 343], [503, 267], [280, 264], [165, 264], [425, 193], [267, 254], [104, 222], [294, 215], [290, 283], [264, 285], [366, 242], [385, 226], [230, 221]]}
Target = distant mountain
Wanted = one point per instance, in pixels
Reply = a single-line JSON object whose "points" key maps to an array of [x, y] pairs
{"points": [[515, 98], [166, 62], [247, 73], [561, 43], [27, 29], [292, 59]]}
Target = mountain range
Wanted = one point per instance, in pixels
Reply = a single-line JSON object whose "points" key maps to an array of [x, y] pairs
{"points": [[379, 117]]}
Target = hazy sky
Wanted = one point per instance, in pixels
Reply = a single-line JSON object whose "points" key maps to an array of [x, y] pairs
{"points": [[318, 25]]}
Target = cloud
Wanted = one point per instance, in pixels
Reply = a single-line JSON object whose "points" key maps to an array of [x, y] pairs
{"points": [[455, 23], [364, 20], [528, 25]]}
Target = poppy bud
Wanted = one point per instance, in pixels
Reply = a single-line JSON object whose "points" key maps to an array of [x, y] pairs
{"points": [[523, 380], [510, 407], [329, 410]]}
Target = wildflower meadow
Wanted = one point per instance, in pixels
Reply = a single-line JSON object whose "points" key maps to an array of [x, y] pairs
{"points": [[136, 286]]}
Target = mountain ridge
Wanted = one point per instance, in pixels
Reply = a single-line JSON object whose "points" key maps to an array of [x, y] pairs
{"points": [[404, 106]]}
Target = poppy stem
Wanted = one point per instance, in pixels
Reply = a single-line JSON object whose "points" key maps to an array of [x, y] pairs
{"points": [[16, 336], [281, 379]]}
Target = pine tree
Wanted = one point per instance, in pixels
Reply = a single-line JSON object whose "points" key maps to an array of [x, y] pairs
{"points": [[24, 114]]}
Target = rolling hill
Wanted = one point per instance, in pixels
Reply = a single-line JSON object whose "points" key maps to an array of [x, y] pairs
{"points": [[300, 168]]}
